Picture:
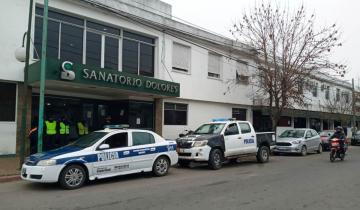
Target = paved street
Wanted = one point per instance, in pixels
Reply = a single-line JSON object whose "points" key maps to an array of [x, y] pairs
{"points": [[287, 182]]}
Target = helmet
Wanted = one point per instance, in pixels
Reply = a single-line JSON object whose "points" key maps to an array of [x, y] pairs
{"points": [[339, 129]]}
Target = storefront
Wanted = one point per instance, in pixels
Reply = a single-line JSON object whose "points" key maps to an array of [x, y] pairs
{"points": [[99, 96]]}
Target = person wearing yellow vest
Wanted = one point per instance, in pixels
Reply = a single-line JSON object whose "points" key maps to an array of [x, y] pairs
{"points": [[50, 134], [64, 131], [82, 128]]}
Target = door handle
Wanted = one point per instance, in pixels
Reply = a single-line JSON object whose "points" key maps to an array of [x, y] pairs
{"points": [[239, 137], [252, 136]]}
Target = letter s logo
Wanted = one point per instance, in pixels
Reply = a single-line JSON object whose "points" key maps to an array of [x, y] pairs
{"points": [[67, 72]]}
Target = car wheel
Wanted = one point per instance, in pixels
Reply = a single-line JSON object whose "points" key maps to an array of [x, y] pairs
{"points": [[183, 163], [215, 159], [72, 177], [161, 166], [320, 149], [303, 151], [263, 154]]}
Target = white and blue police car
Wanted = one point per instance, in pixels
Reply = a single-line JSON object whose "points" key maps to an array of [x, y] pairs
{"points": [[101, 154]]}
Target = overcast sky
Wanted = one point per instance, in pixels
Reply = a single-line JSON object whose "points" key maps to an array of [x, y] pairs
{"points": [[219, 15]]}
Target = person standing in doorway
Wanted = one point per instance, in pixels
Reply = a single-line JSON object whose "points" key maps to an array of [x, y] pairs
{"points": [[82, 128], [50, 134], [64, 131]]}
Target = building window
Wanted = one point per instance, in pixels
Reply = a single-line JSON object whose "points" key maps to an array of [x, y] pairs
{"points": [[66, 42], [242, 73], [111, 57], [284, 121], [314, 90], [66, 29], [175, 114], [142, 138], [327, 93], [239, 114], [214, 65], [337, 94], [138, 54], [93, 49], [181, 57], [7, 102], [299, 122], [346, 97], [71, 43]]}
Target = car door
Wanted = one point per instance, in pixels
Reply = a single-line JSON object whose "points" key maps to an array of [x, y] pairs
{"points": [[315, 139], [143, 149], [116, 159], [248, 137], [233, 140], [308, 139]]}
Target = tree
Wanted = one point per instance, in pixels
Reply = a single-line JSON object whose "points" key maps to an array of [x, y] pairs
{"points": [[340, 104], [289, 52]]}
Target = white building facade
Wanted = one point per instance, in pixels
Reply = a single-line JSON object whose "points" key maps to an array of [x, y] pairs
{"points": [[179, 76]]}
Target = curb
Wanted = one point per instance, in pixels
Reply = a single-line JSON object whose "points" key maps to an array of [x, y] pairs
{"points": [[9, 178]]}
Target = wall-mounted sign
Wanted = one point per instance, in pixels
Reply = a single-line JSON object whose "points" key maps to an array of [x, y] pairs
{"points": [[68, 71]]}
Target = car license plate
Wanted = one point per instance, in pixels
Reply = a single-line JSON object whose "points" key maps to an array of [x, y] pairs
{"points": [[182, 150]]}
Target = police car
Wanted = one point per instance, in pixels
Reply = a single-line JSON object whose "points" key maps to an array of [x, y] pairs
{"points": [[110, 152]]}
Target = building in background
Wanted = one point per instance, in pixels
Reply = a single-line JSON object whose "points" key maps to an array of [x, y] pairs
{"points": [[131, 61]]}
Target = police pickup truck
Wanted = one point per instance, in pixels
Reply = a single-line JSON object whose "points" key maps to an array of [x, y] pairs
{"points": [[224, 139], [101, 154]]}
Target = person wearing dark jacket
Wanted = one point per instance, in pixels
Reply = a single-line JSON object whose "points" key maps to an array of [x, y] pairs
{"points": [[339, 134]]}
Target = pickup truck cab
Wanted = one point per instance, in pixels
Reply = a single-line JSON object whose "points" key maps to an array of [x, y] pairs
{"points": [[224, 139]]}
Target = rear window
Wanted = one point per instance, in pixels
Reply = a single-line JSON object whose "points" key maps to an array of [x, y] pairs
{"points": [[142, 138]]}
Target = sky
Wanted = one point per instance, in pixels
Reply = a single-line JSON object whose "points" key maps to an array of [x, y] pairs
{"points": [[218, 16]]}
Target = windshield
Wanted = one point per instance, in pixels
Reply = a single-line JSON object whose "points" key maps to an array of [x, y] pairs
{"points": [[326, 133], [292, 134], [88, 140], [214, 128]]}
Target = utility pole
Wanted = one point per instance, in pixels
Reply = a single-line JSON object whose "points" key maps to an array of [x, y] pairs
{"points": [[42, 77], [353, 105], [23, 133]]}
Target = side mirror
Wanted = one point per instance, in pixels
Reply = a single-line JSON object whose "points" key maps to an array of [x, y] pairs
{"points": [[104, 146], [181, 135]]}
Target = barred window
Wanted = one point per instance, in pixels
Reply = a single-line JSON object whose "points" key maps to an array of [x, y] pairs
{"points": [[175, 114], [7, 101]]}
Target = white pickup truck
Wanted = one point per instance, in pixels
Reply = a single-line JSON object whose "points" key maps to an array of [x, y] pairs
{"points": [[224, 139]]}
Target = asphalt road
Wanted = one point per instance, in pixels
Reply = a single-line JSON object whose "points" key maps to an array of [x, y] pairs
{"points": [[286, 182]]}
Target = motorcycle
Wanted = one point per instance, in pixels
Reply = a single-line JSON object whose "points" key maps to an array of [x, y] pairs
{"points": [[335, 150]]}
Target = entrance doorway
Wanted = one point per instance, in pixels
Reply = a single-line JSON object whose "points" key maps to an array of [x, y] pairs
{"points": [[137, 114]]}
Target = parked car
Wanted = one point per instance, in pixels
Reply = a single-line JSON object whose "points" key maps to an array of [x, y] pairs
{"points": [[325, 137], [299, 141], [102, 154], [224, 139], [355, 138]]}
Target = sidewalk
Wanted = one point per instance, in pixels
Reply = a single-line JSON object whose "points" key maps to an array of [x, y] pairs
{"points": [[9, 169]]}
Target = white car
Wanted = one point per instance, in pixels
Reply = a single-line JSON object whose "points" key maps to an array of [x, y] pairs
{"points": [[300, 141], [102, 154]]}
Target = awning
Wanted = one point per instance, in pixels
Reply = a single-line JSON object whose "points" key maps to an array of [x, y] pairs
{"points": [[69, 74]]}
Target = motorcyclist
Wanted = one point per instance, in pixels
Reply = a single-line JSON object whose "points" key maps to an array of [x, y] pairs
{"points": [[339, 134]]}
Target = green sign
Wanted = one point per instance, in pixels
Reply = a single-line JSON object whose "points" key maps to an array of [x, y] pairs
{"points": [[69, 72]]}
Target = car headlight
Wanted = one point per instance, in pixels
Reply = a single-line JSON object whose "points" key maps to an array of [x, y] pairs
{"points": [[49, 162], [296, 142], [200, 143]]}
